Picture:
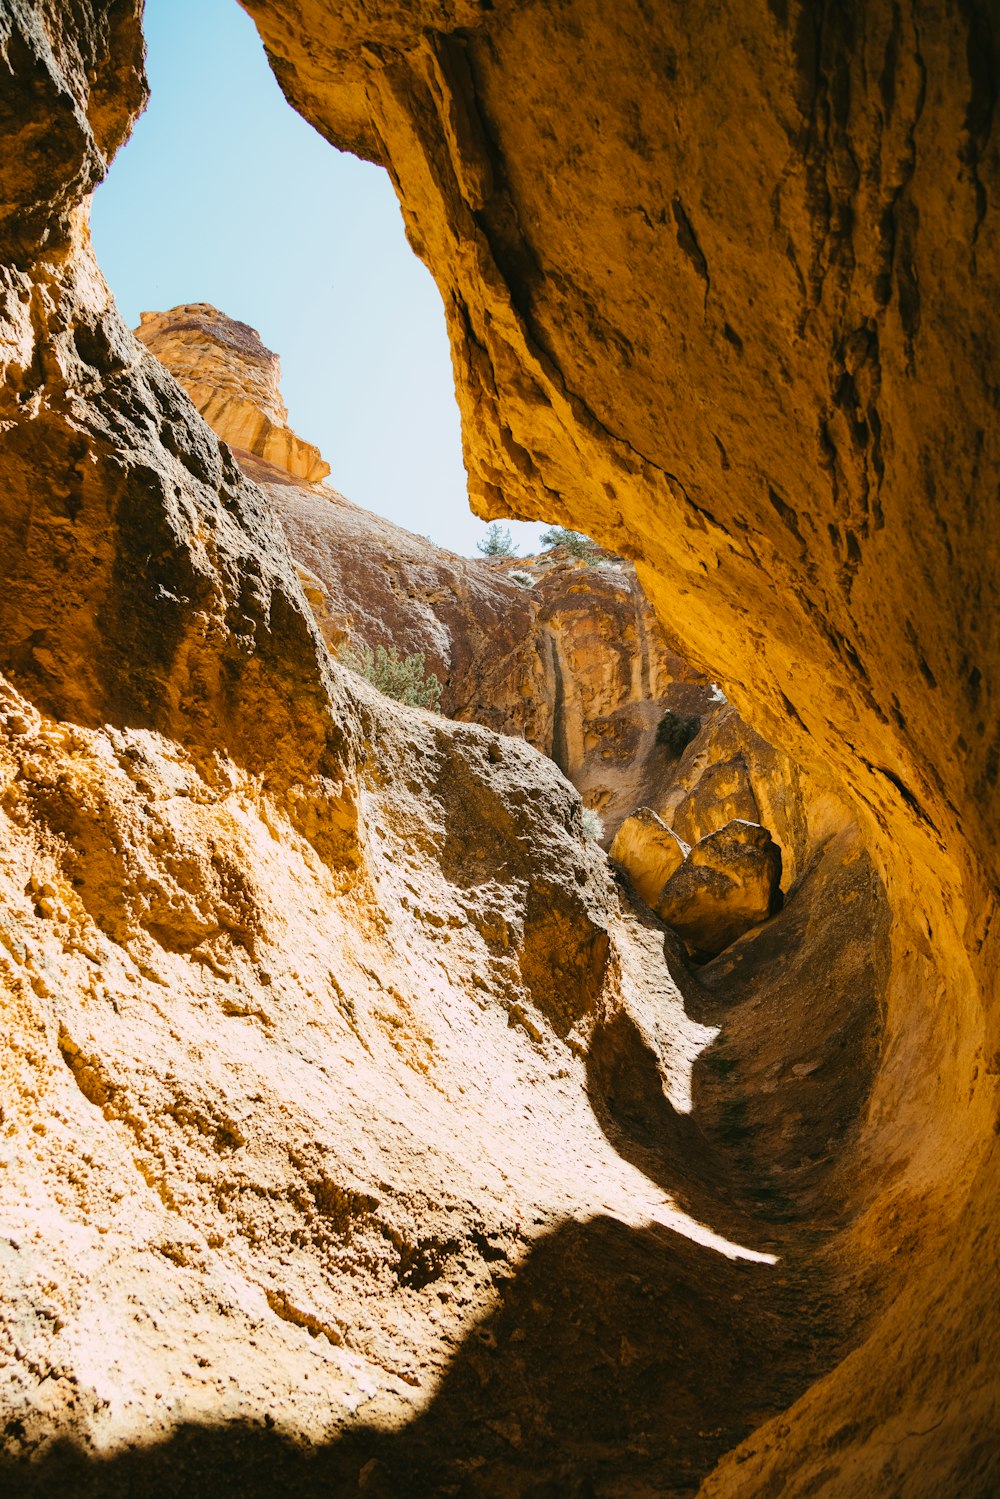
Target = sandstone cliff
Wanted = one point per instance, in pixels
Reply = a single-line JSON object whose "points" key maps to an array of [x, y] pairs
{"points": [[359, 1134], [564, 654], [575, 662], [723, 288], [235, 383]]}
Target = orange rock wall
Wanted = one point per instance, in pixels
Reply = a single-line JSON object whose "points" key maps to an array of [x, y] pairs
{"points": [[719, 286], [234, 381], [335, 1059]]}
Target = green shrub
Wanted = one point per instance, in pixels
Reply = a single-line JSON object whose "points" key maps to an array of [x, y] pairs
{"points": [[399, 677], [593, 827], [573, 542], [497, 542], [676, 730], [522, 579]]}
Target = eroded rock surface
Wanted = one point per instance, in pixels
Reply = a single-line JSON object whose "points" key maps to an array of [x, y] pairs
{"points": [[234, 381], [721, 295], [300, 988], [649, 851], [358, 1135], [729, 882], [570, 658]]}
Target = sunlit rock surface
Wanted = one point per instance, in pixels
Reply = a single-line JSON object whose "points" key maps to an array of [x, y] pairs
{"points": [[358, 1135], [567, 656], [234, 381], [729, 882], [722, 294], [647, 849]]}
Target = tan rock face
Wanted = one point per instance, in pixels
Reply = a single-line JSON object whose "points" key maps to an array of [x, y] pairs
{"points": [[729, 882], [576, 664], [728, 771], [234, 381], [358, 1135], [723, 793], [647, 849], [305, 996], [719, 293]]}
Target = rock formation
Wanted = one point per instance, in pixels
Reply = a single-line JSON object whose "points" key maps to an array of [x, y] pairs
{"points": [[720, 292], [565, 655], [576, 664], [729, 882], [359, 1135], [234, 381], [649, 851]]}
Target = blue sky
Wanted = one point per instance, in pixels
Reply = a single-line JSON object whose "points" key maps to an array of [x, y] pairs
{"points": [[225, 195]]}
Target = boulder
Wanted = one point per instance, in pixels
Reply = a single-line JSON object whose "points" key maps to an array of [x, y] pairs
{"points": [[723, 793], [729, 882], [648, 852]]}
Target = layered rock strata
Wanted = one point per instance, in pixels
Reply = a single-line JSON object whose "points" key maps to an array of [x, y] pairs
{"points": [[234, 381]]}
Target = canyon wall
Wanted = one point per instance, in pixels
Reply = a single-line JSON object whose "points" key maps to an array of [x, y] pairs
{"points": [[234, 381], [721, 291], [341, 1079], [562, 652], [360, 1133], [569, 657]]}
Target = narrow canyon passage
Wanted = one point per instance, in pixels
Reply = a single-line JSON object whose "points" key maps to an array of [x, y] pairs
{"points": [[617, 1355], [367, 1126]]}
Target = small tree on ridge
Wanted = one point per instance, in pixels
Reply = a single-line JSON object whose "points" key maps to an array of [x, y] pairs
{"points": [[497, 542]]}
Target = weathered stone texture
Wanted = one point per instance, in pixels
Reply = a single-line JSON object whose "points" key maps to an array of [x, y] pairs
{"points": [[721, 285], [729, 882], [358, 1134], [649, 851], [235, 383], [300, 988]]}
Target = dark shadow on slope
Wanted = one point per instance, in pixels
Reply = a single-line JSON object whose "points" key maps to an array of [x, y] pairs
{"points": [[623, 1360], [780, 1092], [616, 1355]]}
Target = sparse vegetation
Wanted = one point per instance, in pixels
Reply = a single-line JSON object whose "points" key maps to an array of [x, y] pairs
{"points": [[497, 542], [404, 678], [521, 578], [593, 827], [676, 730], [573, 542]]}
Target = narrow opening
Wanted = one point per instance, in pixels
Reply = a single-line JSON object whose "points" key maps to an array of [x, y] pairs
{"points": [[224, 195], [230, 229]]}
